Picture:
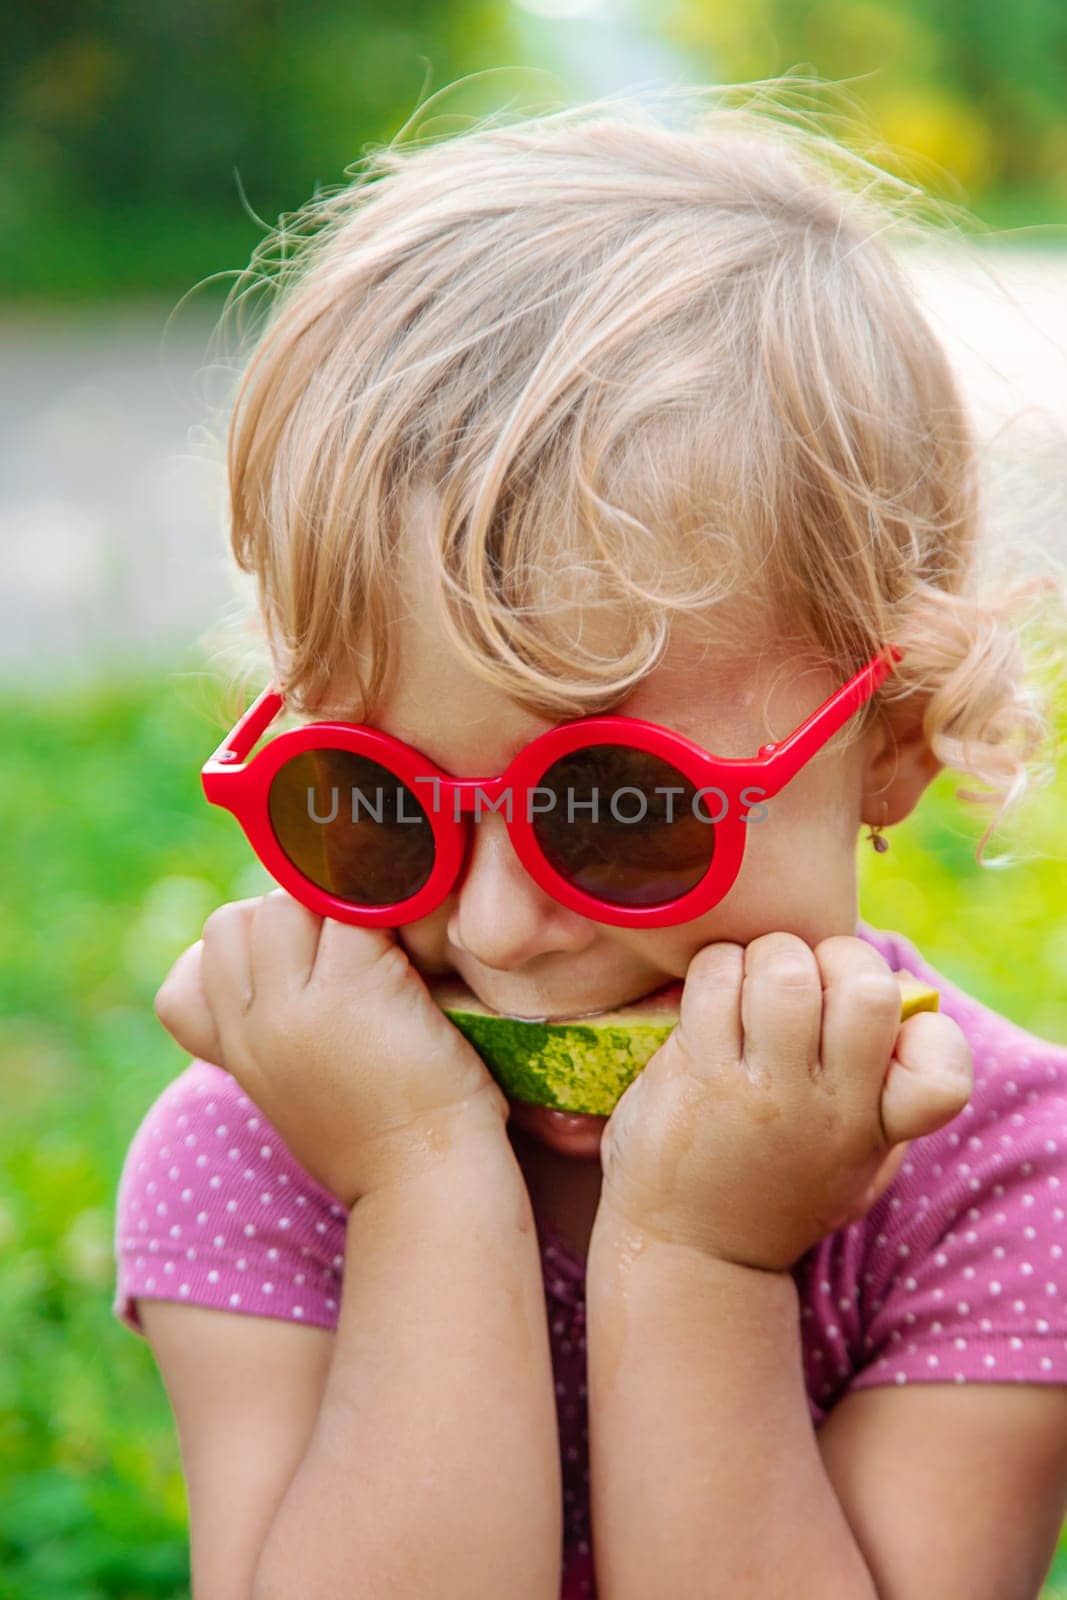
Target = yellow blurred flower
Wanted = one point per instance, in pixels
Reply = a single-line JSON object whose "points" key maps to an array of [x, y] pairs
{"points": [[931, 124]]}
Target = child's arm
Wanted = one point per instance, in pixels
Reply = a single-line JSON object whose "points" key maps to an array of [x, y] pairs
{"points": [[708, 1479], [433, 1468], [771, 1116], [415, 1446], [705, 1472]]}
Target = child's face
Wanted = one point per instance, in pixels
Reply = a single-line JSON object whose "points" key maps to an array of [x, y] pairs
{"points": [[523, 953]]}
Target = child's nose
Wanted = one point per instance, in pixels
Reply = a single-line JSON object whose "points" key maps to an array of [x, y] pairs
{"points": [[500, 916]]}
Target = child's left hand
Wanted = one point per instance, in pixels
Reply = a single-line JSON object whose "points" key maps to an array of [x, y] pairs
{"points": [[779, 1107]]}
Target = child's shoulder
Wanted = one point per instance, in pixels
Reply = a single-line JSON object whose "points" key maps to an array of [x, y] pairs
{"points": [[213, 1209], [958, 1273]]}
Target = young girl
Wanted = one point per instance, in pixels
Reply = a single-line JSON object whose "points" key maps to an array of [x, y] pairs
{"points": [[590, 416]]}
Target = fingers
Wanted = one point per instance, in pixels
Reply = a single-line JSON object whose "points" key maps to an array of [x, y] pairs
{"points": [[781, 1006], [860, 1021], [709, 1019], [930, 1077], [226, 966], [283, 941], [181, 1006], [349, 955]]}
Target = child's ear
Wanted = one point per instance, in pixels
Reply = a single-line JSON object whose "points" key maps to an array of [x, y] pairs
{"points": [[898, 766]]}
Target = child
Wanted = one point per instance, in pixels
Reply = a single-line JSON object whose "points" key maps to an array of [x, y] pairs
{"points": [[592, 416]]}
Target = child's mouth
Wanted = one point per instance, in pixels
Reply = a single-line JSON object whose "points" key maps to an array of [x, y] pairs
{"points": [[577, 1016], [571, 1133]]}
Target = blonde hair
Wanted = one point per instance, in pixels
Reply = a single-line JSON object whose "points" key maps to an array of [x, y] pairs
{"points": [[636, 362]]}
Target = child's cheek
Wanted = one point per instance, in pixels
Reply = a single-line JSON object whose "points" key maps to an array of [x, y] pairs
{"points": [[798, 875]]}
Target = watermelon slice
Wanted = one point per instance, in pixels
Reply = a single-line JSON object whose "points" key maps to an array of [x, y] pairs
{"points": [[585, 1063]]}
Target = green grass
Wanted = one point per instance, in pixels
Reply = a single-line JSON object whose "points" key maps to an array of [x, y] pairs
{"points": [[112, 861]]}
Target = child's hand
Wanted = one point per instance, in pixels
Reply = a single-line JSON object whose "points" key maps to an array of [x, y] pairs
{"points": [[775, 1110], [334, 1035]]}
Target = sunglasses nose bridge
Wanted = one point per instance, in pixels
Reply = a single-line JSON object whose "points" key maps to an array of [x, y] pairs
{"points": [[471, 794], [465, 800]]}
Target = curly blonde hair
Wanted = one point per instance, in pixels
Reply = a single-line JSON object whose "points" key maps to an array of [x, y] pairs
{"points": [[637, 362]]}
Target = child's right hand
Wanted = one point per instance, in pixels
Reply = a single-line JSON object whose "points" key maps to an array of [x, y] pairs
{"points": [[334, 1035]]}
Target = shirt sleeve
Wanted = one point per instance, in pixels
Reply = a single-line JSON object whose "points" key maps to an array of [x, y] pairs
{"points": [[964, 1274], [213, 1209]]}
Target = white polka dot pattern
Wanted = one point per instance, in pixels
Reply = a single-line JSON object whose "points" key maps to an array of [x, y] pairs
{"points": [[213, 1209]]}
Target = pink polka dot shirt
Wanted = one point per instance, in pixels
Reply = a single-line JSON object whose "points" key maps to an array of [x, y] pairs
{"points": [[957, 1275]]}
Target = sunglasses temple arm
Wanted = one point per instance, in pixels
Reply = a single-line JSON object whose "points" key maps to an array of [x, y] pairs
{"points": [[785, 760], [243, 735]]}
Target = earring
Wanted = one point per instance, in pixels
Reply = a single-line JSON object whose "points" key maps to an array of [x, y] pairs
{"points": [[875, 834]]}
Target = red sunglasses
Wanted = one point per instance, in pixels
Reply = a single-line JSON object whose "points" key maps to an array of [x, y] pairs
{"points": [[616, 818]]}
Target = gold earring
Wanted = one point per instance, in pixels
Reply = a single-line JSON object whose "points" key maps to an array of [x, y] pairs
{"points": [[875, 834]]}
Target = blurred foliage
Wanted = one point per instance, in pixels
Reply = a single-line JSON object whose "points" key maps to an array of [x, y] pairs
{"points": [[973, 92], [122, 126], [127, 132], [998, 932], [112, 861]]}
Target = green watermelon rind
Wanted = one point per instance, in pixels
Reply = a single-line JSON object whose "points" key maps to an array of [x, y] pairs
{"points": [[568, 1066]]}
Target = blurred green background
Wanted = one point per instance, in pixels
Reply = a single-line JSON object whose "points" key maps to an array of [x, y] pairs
{"points": [[132, 139], [123, 125]]}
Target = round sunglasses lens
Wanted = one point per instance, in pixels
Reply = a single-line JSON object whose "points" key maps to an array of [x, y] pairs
{"points": [[351, 826], [622, 825]]}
